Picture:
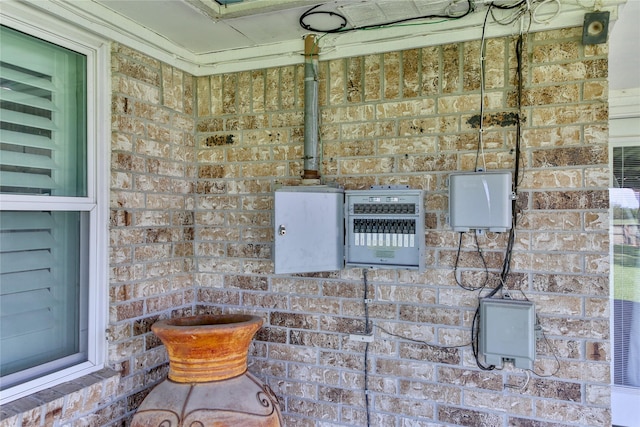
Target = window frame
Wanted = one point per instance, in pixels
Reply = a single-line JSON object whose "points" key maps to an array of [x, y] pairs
{"points": [[23, 18]]}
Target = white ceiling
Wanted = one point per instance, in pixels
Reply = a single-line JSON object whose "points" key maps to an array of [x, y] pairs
{"points": [[203, 37], [202, 26]]}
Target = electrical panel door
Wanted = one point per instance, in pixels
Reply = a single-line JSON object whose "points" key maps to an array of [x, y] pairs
{"points": [[385, 228], [309, 229]]}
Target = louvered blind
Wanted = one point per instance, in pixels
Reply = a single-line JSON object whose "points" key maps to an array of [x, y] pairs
{"points": [[39, 301], [28, 147], [625, 204], [42, 153]]}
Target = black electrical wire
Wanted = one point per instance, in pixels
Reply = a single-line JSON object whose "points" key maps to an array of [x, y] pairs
{"points": [[524, 7], [506, 266], [484, 263], [516, 181], [475, 325], [367, 327], [367, 331], [343, 26], [482, 66], [366, 381], [509, 6], [313, 11], [475, 328]]}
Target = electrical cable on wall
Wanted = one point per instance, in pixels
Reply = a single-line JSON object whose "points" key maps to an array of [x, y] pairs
{"points": [[480, 150], [343, 26], [367, 331], [459, 282], [524, 9], [428, 344], [521, 11]]}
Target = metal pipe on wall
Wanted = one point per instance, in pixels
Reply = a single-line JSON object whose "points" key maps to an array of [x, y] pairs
{"points": [[311, 109]]}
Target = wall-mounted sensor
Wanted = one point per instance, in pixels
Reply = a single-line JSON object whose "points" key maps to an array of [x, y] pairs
{"points": [[480, 201]]}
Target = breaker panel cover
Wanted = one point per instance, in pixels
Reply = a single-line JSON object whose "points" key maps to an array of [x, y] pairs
{"points": [[385, 228], [309, 229], [480, 201]]}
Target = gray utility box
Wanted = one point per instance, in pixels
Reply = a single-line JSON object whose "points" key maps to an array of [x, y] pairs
{"points": [[385, 228], [507, 331], [309, 229], [480, 201]]}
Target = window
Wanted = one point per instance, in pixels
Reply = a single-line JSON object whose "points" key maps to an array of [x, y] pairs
{"points": [[625, 204], [52, 220], [625, 225], [625, 262]]}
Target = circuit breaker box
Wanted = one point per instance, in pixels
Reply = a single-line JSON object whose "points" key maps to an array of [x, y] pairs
{"points": [[385, 228], [309, 229]]}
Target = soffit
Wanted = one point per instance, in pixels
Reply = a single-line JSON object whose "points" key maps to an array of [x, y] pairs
{"points": [[204, 37]]}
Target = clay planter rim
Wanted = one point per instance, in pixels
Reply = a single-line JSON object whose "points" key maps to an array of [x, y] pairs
{"points": [[207, 347], [207, 322]]}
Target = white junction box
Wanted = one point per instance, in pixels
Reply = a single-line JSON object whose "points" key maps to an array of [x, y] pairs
{"points": [[507, 332], [480, 201], [309, 234]]}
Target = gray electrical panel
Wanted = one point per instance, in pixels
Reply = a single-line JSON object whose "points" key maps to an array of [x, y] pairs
{"points": [[480, 201], [309, 229], [507, 331], [385, 228]]}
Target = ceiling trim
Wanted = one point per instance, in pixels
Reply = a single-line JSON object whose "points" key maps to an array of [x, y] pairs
{"points": [[95, 18], [216, 11], [624, 103]]}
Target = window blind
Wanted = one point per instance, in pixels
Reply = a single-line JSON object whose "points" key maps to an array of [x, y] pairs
{"points": [[27, 148], [39, 296], [625, 204]]}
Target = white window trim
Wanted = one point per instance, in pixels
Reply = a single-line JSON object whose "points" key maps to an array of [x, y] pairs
{"points": [[623, 131], [30, 21]]}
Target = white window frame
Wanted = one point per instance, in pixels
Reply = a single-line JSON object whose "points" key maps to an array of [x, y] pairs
{"points": [[21, 17], [624, 130]]}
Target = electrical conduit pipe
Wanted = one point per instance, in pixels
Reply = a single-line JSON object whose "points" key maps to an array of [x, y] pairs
{"points": [[311, 50]]}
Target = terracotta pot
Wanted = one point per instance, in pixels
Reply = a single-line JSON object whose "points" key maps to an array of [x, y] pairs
{"points": [[208, 383]]}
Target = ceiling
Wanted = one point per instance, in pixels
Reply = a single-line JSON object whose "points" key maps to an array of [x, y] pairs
{"points": [[207, 37], [248, 23]]}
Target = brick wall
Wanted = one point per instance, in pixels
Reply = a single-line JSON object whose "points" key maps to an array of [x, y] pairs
{"points": [[194, 164], [152, 216], [411, 117]]}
